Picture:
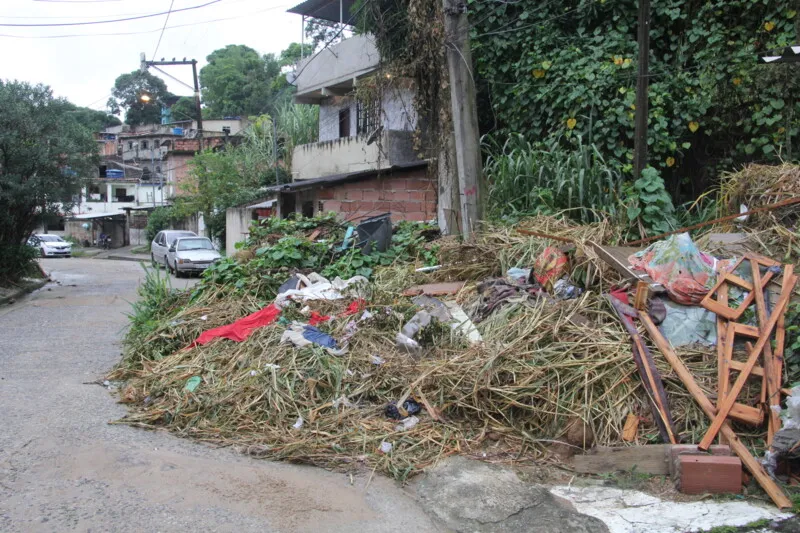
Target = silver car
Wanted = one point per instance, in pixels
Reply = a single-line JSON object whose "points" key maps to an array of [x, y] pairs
{"points": [[163, 242], [191, 254], [51, 245]]}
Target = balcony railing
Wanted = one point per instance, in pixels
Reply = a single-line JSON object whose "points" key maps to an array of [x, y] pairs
{"points": [[352, 154]]}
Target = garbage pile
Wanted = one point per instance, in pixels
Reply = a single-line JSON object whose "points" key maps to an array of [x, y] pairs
{"points": [[523, 345]]}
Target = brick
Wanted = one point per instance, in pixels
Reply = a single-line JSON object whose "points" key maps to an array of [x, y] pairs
{"points": [[331, 205], [364, 206], [349, 207], [419, 185], [355, 195], [395, 184], [326, 194], [417, 195], [715, 474], [383, 206], [400, 195], [676, 450], [371, 195], [339, 193], [417, 216]]}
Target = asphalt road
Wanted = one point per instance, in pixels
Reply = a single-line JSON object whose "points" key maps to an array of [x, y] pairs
{"points": [[64, 468]]}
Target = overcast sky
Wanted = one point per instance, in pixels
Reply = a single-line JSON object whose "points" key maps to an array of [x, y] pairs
{"points": [[83, 68]]}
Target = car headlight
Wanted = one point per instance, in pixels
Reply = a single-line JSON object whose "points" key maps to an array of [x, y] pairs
{"points": [[184, 261]]}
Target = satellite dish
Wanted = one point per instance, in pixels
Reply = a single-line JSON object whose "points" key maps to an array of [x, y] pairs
{"points": [[290, 77]]}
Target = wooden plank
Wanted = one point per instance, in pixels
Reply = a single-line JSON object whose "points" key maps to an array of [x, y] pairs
{"points": [[617, 258], [748, 331], [649, 375], [750, 462], [738, 365], [789, 281], [630, 428], [720, 280], [723, 368], [768, 387], [766, 261], [730, 277], [651, 459], [746, 414], [642, 294], [748, 300]]}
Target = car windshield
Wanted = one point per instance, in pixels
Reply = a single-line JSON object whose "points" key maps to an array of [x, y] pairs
{"points": [[50, 238], [171, 238], [194, 244]]}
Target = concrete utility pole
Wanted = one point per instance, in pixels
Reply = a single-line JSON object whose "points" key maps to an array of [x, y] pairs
{"points": [[144, 66], [640, 140], [465, 114]]}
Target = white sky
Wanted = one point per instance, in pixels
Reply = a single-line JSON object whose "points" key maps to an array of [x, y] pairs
{"points": [[83, 69]]}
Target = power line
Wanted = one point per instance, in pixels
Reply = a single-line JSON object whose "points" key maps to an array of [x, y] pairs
{"points": [[144, 32], [172, 2], [91, 22]]}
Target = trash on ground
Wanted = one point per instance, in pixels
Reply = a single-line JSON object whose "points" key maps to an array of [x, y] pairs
{"points": [[192, 383], [407, 423], [409, 406], [435, 289]]}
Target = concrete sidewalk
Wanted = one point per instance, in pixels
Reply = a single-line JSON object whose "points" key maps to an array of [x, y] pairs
{"points": [[123, 253]]}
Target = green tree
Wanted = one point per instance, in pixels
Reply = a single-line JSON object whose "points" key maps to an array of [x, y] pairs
{"points": [[238, 82], [45, 155], [293, 54], [323, 32], [93, 119], [127, 93], [184, 109]]}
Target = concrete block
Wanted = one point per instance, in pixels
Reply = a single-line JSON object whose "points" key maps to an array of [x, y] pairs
{"points": [[715, 474]]}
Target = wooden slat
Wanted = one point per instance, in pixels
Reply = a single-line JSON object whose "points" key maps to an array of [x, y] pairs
{"points": [[768, 387], [708, 301], [766, 261], [750, 462], [738, 365], [748, 331], [789, 281], [723, 368]]}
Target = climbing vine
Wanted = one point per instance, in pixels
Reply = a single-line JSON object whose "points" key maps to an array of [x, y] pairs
{"points": [[567, 69]]}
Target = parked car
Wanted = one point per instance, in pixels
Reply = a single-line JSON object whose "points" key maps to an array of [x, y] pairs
{"points": [[162, 242], [191, 254], [51, 245]]}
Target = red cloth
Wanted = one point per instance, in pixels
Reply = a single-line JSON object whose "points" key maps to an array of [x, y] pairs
{"points": [[354, 307], [242, 328], [317, 318]]}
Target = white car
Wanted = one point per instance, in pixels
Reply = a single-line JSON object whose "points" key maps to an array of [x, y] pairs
{"points": [[191, 254], [51, 245], [163, 242]]}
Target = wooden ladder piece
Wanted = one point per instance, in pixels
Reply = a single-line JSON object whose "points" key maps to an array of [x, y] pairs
{"points": [[789, 281], [708, 302], [749, 462], [768, 387], [723, 367]]}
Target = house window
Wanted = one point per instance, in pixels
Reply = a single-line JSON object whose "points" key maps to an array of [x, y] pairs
{"points": [[144, 145], [102, 171], [130, 145], [367, 117], [344, 122]]}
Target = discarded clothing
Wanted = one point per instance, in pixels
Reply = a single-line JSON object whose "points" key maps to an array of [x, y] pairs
{"points": [[496, 293], [686, 272], [519, 276], [317, 318], [242, 328], [302, 335], [315, 287], [564, 290], [551, 265]]}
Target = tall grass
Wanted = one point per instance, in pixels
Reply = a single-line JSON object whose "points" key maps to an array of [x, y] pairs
{"points": [[526, 178]]}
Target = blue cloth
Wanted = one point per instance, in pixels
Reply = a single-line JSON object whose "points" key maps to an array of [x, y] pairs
{"points": [[312, 334]]}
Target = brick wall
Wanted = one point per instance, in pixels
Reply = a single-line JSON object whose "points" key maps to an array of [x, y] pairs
{"points": [[407, 195]]}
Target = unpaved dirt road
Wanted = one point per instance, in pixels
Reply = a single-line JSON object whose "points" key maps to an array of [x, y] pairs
{"points": [[64, 468]]}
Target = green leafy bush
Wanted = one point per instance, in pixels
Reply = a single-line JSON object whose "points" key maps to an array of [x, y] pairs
{"points": [[650, 205], [561, 70], [282, 247]]}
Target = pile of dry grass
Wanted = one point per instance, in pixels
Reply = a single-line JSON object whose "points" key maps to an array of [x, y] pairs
{"points": [[536, 376], [774, 233]]}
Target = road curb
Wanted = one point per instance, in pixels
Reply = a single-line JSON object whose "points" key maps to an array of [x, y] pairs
{"points": [[126, 258], [36, 285]]}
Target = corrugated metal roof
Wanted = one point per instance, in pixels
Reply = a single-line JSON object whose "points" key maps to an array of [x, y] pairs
{"points": [[326, 10]]}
